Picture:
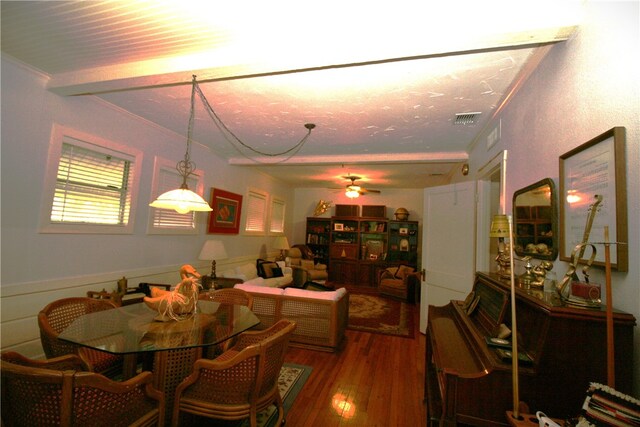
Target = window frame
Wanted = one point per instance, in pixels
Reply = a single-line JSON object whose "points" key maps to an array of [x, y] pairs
{"points": [[260, 194], [62, 134], [161, 164], [277, 200]]}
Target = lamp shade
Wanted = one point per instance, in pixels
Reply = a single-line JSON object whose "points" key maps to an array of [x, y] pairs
{"points": [[281, 243], [212, 250], [182, 200], [499, 226]]}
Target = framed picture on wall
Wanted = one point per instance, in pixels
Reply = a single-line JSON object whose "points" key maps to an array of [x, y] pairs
{"points": [[593, 197], [225, 216]]}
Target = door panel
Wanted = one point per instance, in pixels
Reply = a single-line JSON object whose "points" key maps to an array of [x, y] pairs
{"points": [[448, 255]]}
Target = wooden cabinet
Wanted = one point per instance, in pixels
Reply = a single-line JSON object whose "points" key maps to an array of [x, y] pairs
{"points": [[318, 235], [403, 242], [366, 243]]}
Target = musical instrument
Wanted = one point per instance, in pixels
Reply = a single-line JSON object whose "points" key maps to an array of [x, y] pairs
{"points": [[561, 350], [563, 290]]}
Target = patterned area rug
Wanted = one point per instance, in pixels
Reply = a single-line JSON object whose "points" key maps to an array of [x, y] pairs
{"points": [[292, 378], [373, 313]]}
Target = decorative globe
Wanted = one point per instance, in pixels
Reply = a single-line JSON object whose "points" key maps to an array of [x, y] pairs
{"points": [[401, 214]]}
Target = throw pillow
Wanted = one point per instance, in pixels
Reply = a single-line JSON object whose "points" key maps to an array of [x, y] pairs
{"points": [[277, 272], [403, 270], [267, 267]]}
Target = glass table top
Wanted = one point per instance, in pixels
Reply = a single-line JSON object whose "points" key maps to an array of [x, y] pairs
{"points": [[133, 329]]}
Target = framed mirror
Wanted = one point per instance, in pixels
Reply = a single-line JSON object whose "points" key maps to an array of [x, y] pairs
{"points": [[535, 220]]}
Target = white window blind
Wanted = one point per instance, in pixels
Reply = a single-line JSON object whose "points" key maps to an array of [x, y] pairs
{"points": [[256, 212], [168, 218], [276, 224], [92, 187]]}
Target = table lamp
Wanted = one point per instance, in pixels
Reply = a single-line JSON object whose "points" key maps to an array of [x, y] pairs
{"points": [[281, 243], [212, 250], [500, 229]]}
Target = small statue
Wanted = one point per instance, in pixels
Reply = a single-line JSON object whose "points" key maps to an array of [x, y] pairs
{"points": [[174, 305], [321, 207]]}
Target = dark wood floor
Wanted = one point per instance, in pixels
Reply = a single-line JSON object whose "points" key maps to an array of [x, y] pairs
{"points": [[375, 380]]}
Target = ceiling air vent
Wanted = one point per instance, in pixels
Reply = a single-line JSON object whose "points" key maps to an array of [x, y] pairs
{"points": [[466, 118]]}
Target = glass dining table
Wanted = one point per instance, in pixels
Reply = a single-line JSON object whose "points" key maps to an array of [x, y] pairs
{"points": [[172, 346]]}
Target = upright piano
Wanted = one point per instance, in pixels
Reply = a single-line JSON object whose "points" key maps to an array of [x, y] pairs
{"points": [[468, 380]]}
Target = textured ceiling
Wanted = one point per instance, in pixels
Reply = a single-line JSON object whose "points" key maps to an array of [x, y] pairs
{"points": [[382, 85]]}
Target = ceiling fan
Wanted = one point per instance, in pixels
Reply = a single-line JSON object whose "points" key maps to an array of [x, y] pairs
{"points": [[353, 190]]}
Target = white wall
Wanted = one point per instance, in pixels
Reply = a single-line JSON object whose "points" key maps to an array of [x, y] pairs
{"points": [[582, 88], [38, 268]]}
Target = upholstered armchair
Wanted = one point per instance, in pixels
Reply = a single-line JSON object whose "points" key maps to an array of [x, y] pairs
{"points": [[305, 270], [399, 281]]}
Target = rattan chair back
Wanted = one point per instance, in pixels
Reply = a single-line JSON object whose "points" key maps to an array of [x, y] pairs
{"points": [[58, 315], [62, 363], [229, 296], [47, 397], [225, 296], [241, 382]]}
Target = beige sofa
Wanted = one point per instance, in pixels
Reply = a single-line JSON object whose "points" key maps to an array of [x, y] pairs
{"points": [[248, 273], [321, 317]]}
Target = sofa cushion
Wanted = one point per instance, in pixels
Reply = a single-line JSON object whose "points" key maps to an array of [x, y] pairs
{"points": [[307, 264], [327, 296], [256, 281], [259, 289], [246, 271]]}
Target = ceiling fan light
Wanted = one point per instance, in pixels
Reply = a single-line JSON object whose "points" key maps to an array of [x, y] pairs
{"points": [[353, 191], [182, 200]]}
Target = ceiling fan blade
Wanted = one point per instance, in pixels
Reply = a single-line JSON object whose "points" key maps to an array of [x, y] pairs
{"points": [[366, 190]]}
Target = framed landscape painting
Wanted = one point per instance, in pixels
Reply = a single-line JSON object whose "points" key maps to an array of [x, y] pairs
{"points": [[225, 216]]}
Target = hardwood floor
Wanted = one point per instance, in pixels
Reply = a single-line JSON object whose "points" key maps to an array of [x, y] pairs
{"points": [[374, 380]]}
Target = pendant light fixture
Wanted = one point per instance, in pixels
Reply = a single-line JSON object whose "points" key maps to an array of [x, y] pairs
{"points": [[183, 200]]}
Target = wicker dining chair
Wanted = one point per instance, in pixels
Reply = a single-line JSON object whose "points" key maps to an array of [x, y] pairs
{"points": [[226, 296], [50, 397], [58, 315], [62, 363], [241, 382]]}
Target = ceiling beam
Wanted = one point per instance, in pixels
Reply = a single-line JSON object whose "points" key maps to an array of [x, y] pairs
{"points": [[354, 159], [212, 66]]}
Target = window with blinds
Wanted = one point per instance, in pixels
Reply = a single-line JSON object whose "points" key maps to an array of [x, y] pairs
{"points": [[91, 184], [276, 222], [91, 188], [256, 205]]}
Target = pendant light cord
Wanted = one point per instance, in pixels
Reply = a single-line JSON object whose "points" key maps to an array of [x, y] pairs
{"points": [[233, 138]]}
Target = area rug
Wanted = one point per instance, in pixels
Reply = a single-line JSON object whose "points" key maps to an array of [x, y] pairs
{"points": [[373, 313]]}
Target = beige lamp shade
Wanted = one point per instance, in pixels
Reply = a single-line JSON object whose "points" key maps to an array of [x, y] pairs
{"points": [[281, 243], [499, 226], [213, 250]]}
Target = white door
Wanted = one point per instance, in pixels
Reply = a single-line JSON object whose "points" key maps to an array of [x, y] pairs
{"points": [[448, 245]]}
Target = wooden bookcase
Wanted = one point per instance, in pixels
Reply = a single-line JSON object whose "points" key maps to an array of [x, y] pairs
{"points": [[317, 238], [360, 247]]}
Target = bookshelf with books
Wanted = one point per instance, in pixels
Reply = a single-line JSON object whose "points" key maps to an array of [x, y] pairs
{"points": [[318, 235]]}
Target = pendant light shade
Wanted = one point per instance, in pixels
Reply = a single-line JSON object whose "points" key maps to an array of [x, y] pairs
{"points": [[182, 200]]}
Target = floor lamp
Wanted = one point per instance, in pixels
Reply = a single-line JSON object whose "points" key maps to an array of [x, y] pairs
{"points": [[501, 227]]}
